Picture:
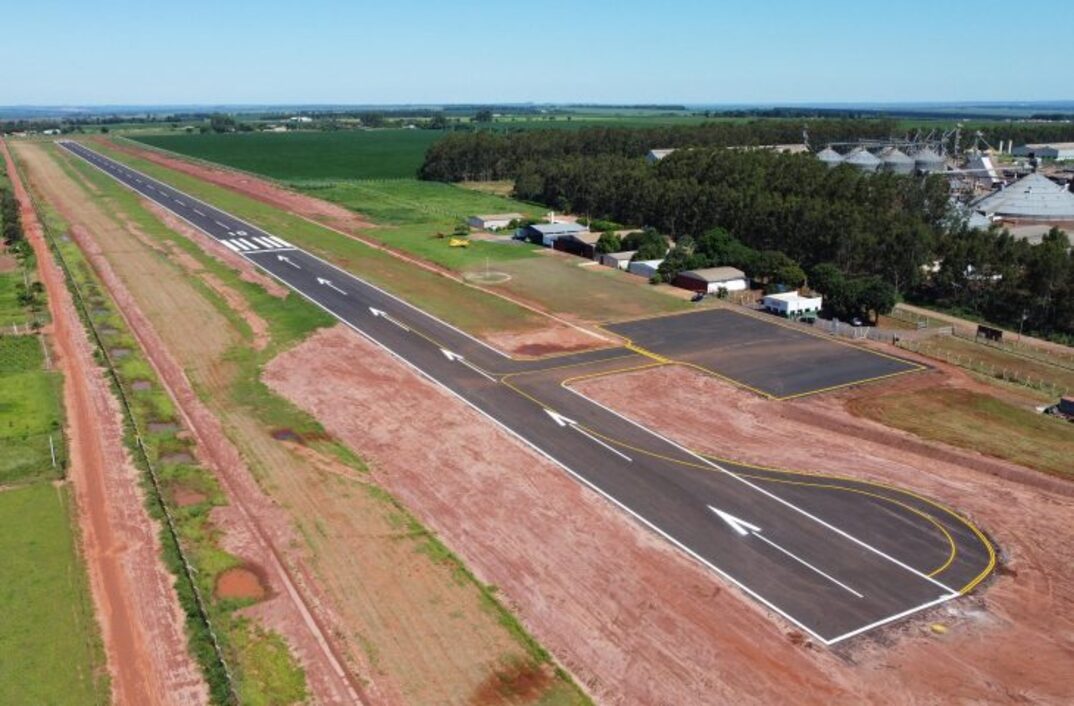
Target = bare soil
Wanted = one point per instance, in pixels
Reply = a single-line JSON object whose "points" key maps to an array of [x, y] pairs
{"points": [[550, 341], [185, 497], [142, 625], [658, 628], [1012, 641], [240, 582], [8, 263], [252, 526]]}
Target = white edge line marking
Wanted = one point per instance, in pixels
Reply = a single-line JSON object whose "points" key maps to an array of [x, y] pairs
{"points": [[697, 557], [806, 564], [405, 303], [292, 590]]}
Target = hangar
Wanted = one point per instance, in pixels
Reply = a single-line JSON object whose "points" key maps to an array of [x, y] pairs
{"points": [[712, 279]]}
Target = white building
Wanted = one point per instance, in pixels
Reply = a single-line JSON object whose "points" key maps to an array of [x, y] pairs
{"points": [[1059, 151], [655, 156], [792, 305], [301, 119], [493, 221], [618, 260], [644, 268], [712, 279]]}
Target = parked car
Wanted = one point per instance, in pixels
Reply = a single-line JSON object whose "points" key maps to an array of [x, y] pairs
{"points": [[697, 297]]}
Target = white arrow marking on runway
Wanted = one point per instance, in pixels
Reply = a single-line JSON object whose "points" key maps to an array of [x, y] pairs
{"points": [[568, 422], [328, 283], [745, 529], [456, 358], [384, 315], [289, 261]]}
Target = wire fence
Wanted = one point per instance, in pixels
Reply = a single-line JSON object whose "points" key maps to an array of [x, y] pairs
{"points": [[1055, 358], [983, 367]]}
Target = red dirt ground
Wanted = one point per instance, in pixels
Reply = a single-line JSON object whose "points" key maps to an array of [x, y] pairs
{"points": [[1012, 641], [142, 625], [252, 527], [240, 582], [659, 629]]}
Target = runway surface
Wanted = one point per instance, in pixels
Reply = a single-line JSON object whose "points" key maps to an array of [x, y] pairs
{"points": [[834, 557]]}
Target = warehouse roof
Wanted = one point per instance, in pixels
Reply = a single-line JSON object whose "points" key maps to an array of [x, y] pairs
{"points": [[624, 255], [715, 274], [557, 228], [1033, 197], [499, 216]]}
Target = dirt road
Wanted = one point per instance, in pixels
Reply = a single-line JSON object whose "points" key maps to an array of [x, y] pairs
{"points": [[142, 624]]}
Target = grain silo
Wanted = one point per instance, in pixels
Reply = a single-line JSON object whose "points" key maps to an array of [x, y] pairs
{"points": [[862, 159], [830, 157], [896, 161], [927, 161]]}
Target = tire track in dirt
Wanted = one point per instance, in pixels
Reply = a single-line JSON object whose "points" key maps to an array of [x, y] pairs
{"points": [[251, 514], [142, 625]]}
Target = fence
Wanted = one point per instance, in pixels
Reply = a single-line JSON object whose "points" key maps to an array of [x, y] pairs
{"points": [[984, 368], [1054, 358]]}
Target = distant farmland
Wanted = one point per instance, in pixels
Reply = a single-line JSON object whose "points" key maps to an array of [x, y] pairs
{"points": [[367, 154]]}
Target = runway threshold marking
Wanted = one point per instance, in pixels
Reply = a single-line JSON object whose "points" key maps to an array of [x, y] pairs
{"points": [[745, 529]]}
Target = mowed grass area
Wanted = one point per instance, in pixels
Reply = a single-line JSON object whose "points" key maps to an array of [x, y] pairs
{"points": [[979, 422], [418, 218], [31, 412], [358, 154], [49, 649]]}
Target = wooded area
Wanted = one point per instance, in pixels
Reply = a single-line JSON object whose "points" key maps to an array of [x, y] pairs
{"points": [[863, 239]]}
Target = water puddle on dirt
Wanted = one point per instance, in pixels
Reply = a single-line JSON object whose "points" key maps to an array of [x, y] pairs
{"points": [[161, 427], [243, 582], [119, 352], [141, 385]]}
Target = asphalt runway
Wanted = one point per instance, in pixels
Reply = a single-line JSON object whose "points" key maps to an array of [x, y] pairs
{"points": [[833, 557], [771, 358]]}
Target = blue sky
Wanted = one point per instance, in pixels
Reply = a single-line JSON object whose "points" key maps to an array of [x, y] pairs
{"points": [[417, 51]]}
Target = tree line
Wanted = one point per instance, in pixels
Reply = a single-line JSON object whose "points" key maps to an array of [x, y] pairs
{"points": [[862, 240]]}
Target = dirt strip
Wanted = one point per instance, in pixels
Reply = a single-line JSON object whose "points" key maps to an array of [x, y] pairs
{"points": [[253, 526], [142, 625]]}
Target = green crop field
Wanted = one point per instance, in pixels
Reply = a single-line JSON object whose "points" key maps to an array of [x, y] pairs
{"points": [[362, 154]]}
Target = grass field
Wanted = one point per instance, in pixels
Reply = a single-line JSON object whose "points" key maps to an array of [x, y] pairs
{"points": [[979, 422], [359, 154], [49, 652], [999, 363], [30, 412]]}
